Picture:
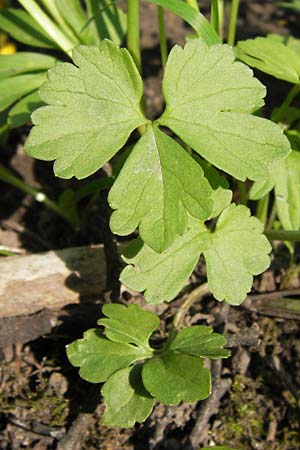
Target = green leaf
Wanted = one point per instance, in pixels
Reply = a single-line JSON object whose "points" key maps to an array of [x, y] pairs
{"points": [[129, 325], [174, 377], [22, 62], [194, 18], [163, 275], [74, 15], [217, 448], [272, 56], [93, 109], [21, 112], [22, 27], [262, 187], [234, 252], [286, 178], [200, 340], [106, 20], [98, 357], [208, 96], [12, 88], [126, 399], [158, 185]]}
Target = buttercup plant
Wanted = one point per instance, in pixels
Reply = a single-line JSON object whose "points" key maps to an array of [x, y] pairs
{"points": [[171, 190]]}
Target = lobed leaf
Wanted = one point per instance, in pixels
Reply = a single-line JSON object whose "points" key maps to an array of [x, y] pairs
{"points": [[158, 186], [208, 100], [199, 340], [181, 378], [161, 276], [129, 325], [234, 252], [98, 357], [93, 108], [126, 399]]}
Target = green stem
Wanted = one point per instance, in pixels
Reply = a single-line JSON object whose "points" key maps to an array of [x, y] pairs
{"points": [[232, 22], [193, 4], [272, 217], [8, 177], [277, 116], [162, 36], [262, 209], [133, 31], [214, 15], [48, 25], [292, 272], [243, 194], [283, 235], [221, 18]]}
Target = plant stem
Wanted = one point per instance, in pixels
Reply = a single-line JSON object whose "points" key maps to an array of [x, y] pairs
{"points": [[277, 116], [133, 31], [214, 15], [51, 7], [162, 36], [283, 235], [293, 270], [193, 4], [262, 209], [272, 217], [193, 297], [48, 25], [243, 194], [10, 178], [233, 20], [221, 18]]}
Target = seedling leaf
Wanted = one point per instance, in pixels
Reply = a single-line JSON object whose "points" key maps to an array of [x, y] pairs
{"points": [[98, 357], [174, 377], [234, 252], [158, 185], [93, 109], [126, 399], [200, 340], [129, 325], [208, 98]]}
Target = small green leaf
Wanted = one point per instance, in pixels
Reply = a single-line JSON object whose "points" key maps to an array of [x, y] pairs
{"points": [[98, 357], [200, 340], [234, 252], [158, 185], [22, 62], [12, 88], [20, 113], [126, 399], [208, 101], [22, 27], [174, 377], [93, 109], [162, 276], [272, 56], [129, 325]]}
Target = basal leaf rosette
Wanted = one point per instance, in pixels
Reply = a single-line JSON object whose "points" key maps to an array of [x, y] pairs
{"points": [[134, 374], [234, 252]]}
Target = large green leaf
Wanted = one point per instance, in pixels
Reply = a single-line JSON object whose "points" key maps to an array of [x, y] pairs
{"points": [[163, 275], [98, 357], [271, 55], [21, 112], [174, 377], [126, 399], [22, 27], [12, 88], [234, 252], [158, 185], [208, 98], [22, 62], [93, 109], [200, 340], [129, 325]]}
